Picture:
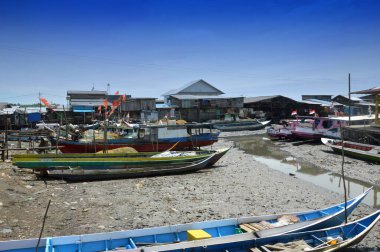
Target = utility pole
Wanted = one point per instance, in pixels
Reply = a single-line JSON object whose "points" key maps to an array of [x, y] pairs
{"points": [[349, 97]]}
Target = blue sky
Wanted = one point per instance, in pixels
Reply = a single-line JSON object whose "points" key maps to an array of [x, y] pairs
{"points": [[145, 48]]}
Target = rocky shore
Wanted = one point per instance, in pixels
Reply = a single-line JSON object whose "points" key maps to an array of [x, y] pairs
{"points": [[238, 186]]}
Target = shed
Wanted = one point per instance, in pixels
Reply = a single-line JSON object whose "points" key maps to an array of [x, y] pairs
{"points": [[372, 91], [85, 101], [200, 101], [277, 107], [138, 104]]}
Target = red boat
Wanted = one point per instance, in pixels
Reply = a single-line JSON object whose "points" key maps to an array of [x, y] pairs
{"points": [[147, 139]]}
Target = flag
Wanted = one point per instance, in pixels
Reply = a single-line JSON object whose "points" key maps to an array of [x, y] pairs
{"points": [[124, 97], [294, 112], [112, 111], [45, 102], [115, 103], [117, 92], [106, 103], [312, 111], [100, 109]]}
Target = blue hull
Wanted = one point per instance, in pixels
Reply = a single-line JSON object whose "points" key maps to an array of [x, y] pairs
{"points": [[344, 236], [218, 229]]}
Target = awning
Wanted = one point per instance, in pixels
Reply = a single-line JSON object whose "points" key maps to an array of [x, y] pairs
{"points": [[83, 109]]}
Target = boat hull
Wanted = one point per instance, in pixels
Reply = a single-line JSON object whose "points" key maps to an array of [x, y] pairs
{"points": [[282, 133], [218, 229], [90, 173], [240, 126], [354, 150], [325, 240]]}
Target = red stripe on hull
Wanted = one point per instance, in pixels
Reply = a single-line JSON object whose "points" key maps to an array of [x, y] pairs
{"points": [[91, 148], [306, 135]]}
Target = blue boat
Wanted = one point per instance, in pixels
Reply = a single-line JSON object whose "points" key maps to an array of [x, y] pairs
{"points": [[216, 229], [325, 240]]}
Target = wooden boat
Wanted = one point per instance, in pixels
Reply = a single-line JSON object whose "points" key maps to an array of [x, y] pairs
{"points": [[282, 131], [325, 240], [241, 125], [109, 161], [86, 173], [144, 138], [219, 230], [357, 150]]}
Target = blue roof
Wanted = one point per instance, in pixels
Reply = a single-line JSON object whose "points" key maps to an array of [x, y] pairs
{"points": [[321, 102]]}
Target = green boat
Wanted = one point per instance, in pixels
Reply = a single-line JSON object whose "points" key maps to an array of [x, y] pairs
{"points": [[356, 150], [130, 171], [104, 166]]}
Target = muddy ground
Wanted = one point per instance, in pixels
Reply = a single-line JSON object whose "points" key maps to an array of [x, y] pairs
{"points": [[237, 186]]}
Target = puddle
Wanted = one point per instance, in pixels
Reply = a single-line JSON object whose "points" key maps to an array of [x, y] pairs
{"points": [[267, 153]]}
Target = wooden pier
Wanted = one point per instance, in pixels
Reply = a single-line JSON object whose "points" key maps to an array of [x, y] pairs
{"points": [[369, 134]]}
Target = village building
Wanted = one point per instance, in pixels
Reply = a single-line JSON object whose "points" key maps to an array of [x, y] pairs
{"points": [[83, 104], [278, 107], [140, 108], [317, 97], [357, 105], [200, 101]]}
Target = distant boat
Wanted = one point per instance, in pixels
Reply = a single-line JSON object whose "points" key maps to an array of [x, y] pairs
{"points": [[240, 125], [144, 138], [328, 127], [357, 150], [282, 131], [325, 240], [218, 231]]}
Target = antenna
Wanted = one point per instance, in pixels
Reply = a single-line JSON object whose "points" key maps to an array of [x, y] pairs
{"points": [[108, 88]]}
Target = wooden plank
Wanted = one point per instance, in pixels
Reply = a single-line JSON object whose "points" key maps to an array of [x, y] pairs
{"points": [[254, 226], [275, 247], [255, 250], [246, 228]]}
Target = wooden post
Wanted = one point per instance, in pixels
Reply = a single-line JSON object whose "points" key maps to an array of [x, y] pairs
{"points": [[6, 135], [349, 97], [377, 109], [105, 136]]}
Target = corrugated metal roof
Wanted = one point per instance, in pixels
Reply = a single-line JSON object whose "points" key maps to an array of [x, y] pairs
{"points": [[27, 110], [309, 102], [262, 98], [198, 97], [374, 90], [352, 98], [141, 98], [321, 102], [178, 90], [86, 92]]}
